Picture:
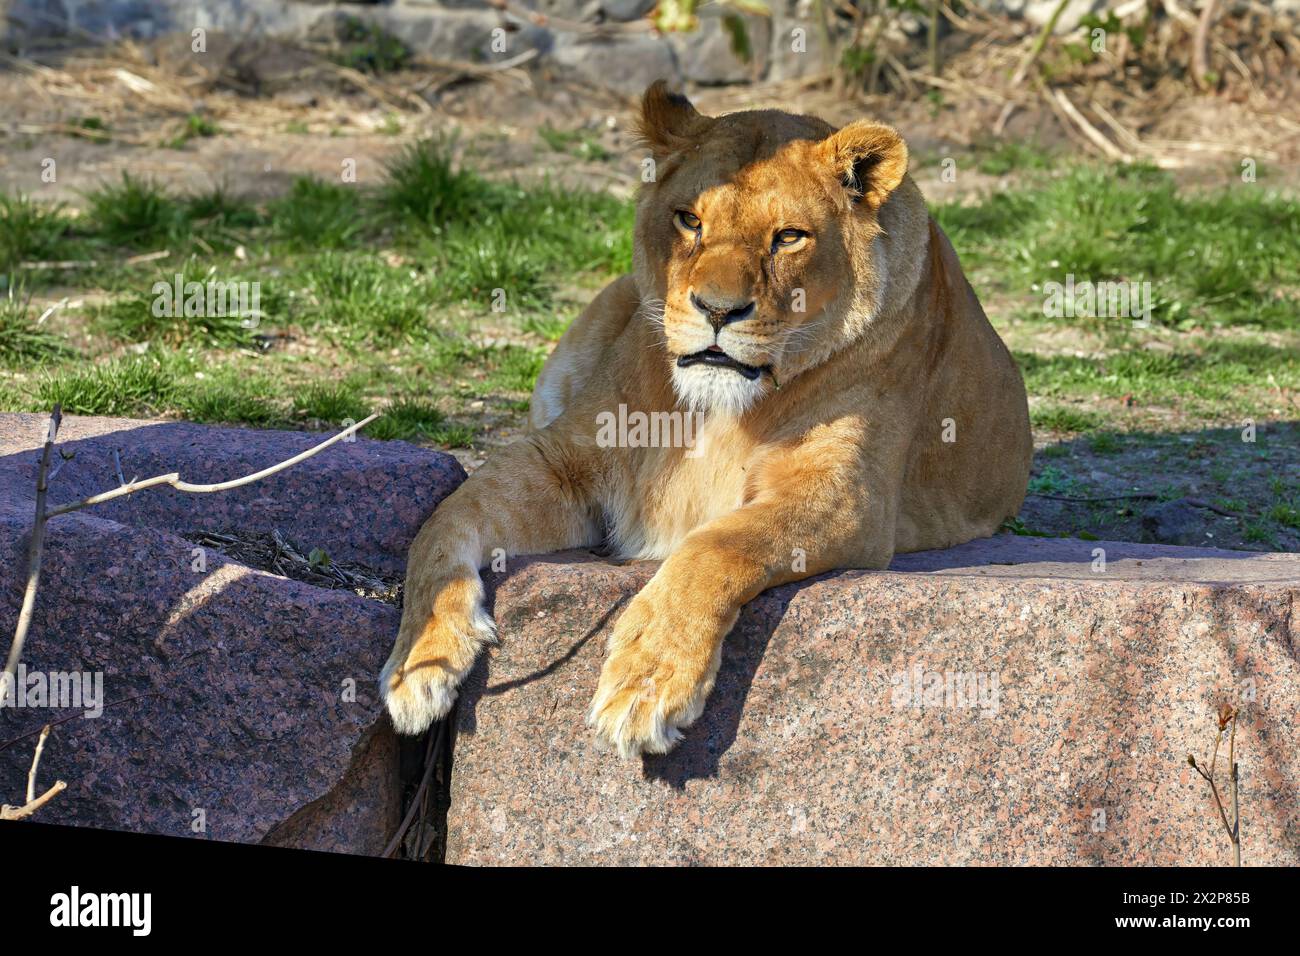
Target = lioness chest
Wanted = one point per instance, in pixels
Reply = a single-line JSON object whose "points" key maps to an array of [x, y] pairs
{"points": [[659, 495]]}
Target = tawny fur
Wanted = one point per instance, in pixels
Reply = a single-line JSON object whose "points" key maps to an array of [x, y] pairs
{"points": [[899, 423]]}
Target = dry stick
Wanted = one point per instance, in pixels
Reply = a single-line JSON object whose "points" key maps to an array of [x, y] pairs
{"points": [[34, 549], [36, 761], [1022, 71], [432, 756], [174, 479], [1125, 135], [1201, 44], [1151, 148], [962, 86], [1236, 809], [1094, 135], [75, 714], [882, 20], [932, 40], [20, 813], [89, 263], [33, 802], [1234, 829], [1139, 496], [960, 22]]}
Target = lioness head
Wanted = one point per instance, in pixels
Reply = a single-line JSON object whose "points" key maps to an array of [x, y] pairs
{"points": [[757, 237]]}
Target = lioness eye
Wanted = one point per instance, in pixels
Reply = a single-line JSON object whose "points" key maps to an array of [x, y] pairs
{"points": [[788, 237], [688, 220]]}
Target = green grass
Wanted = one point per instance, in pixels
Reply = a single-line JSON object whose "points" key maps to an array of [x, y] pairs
{"points": [[1227, 259], [425, 187], [135, 386], [1052, 481], [1212, 375], [29, 230], [576, 142], [1003, 156], [218, 209], [144, 318], [319, 215], [227, 403], [360, 298], [332, 404], [22, 340], [1063, 418], [434, 295], [413, 418], [135, 212], [366, 46], [195, 127]]}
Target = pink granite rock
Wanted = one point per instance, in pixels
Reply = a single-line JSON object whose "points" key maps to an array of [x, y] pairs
{"points": [[845, 727], [234, 699]]}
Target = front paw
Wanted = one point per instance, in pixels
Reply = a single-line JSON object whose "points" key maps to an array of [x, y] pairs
{"points": [[661, 666], [420, 680]]}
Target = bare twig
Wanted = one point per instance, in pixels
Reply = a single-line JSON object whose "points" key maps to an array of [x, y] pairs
{"points": [[174, 479], [1201, 46], [957, 86], [1236, 809], [76, 714], [432, 758], [19, 813], [36, 762], [1137, 496], [1022, 71], [34, 548], [1227, 716], [117, 463], [91, 263], [33, 803], [1094, 135], [932, 38]]}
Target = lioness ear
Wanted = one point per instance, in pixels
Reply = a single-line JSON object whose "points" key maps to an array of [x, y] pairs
{"points": [[870, 159], [668, 121]]}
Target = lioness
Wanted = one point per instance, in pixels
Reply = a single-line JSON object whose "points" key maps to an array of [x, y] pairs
{"points": [[790, 290]]}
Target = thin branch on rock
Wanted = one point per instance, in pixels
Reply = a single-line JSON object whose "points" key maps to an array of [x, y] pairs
{"points": [[34, 550], [34, 802], [174, 479], [36, 762], [1227, 718]]}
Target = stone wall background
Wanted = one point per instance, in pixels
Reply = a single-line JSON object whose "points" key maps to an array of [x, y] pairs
{"points": [[788, 44]]}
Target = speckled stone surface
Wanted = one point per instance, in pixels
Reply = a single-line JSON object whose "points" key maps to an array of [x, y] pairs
{"points": [[259, 704], [815, 748]]}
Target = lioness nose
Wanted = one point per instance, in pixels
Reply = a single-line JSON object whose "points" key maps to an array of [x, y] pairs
{"points": [[720, 315]]}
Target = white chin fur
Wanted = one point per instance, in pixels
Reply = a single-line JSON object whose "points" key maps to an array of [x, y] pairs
{"points": [[703, 389]]}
